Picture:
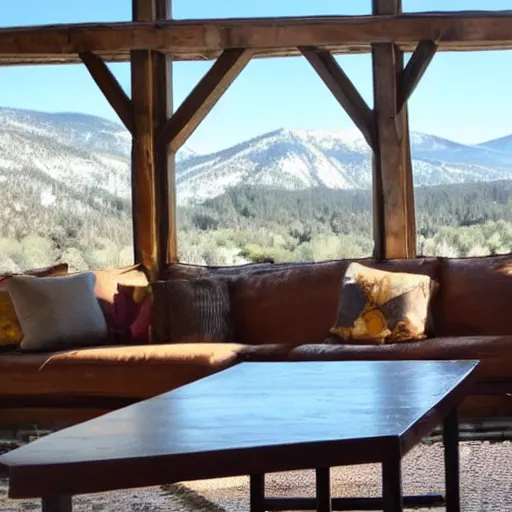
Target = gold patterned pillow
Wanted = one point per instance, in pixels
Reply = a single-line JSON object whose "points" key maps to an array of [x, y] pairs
{"points": [[382, 307], [10, 329]]}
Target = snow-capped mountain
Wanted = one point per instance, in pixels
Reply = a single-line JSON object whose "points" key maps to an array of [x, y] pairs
{"points": [[298, 159], [85, 131], [85, 153], [503, 144], [79, 151], [290, 159]]}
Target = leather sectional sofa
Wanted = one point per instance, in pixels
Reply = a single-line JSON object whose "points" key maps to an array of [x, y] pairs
{"points": [[281, 312]]}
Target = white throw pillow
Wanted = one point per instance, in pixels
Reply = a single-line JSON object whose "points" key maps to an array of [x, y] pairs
{"points": [[57, 313]]}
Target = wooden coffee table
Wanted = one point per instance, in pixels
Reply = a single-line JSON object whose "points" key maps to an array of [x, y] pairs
{"points": [[257, 418]]}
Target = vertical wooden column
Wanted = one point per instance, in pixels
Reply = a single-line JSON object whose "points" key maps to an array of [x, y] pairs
{"points": [[151, 97], [165, 159], [394, 217]]}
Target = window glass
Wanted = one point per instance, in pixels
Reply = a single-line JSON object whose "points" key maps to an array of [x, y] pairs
{"points": [[455, 5], [277, 171], [26, 12], [64, 171], [462, 154], [183, 9]]}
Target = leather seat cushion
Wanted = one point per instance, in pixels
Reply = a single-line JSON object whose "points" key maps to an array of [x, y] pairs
{"points": [[494, 353], [133, 372]]}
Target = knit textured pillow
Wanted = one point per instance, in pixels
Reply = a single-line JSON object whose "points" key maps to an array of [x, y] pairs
{"points": [[382, 307], [195, 310]]}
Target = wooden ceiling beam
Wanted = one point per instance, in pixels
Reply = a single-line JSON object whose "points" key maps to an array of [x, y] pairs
{"points": [[449, 30], [415, 69], [110, 88], [343, 90], [204, 96]]}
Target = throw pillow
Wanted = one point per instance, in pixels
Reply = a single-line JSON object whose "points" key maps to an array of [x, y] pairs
{"points": [[11, 333], [10, 329], [131, 314], [57, 313], [195, 310], [377, 306]]}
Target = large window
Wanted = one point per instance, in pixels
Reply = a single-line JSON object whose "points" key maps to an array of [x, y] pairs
{"points": [[462, 155], [64, 157], [65, 177], [277, 172]]}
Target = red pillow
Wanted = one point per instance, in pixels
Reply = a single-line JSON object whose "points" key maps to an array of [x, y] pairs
{"points": [[131, 314]]}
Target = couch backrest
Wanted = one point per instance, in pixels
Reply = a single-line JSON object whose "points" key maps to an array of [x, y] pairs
{"points": [[292, 303], [475, 296]]}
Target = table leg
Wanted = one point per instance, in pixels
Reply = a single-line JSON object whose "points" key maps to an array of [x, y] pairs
{"points": [[257, 492], [323, 490], [58, 504], [392, 484], [451, 461]]}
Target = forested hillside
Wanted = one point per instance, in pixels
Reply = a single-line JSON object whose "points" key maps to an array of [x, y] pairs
{"points": [[260, 223], [45, 221], [92, 229]]}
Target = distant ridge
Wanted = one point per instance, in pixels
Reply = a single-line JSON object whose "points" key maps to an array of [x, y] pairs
{"points": [[86, 153]]}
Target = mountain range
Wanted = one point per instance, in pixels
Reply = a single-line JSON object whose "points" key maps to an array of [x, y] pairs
{"points": [[80, 154]]}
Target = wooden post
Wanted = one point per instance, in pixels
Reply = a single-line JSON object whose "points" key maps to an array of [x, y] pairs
{"points": [[166, 160], [393, 193], [152, 167]]}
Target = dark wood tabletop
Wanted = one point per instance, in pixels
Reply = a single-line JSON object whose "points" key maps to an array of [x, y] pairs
{"points": [[251, 418]]}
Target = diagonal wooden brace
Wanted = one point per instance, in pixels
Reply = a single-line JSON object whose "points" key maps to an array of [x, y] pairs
{"points": [[204, 97], [343, 90], [110, 88], [414, 71]]}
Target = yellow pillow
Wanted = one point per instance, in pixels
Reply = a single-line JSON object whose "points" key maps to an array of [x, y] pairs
{"points": [[10, 329], [378, 307]]}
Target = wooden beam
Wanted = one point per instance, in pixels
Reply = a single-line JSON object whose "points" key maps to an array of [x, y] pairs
{"points": [[343, 90], [204, 96], [415, 69], [149, 163], [165, 159], [143, 164], [394, 219], [110, 88], [194, 39]]}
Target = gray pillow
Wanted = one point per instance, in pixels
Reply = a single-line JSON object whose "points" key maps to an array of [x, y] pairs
{"points": [[57, 313], [195, 310]]}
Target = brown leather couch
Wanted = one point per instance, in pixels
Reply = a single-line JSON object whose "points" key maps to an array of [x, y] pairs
{"points": [[281, 313]]}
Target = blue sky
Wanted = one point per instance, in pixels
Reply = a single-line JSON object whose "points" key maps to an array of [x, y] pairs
{"points": [[463, 96]]}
